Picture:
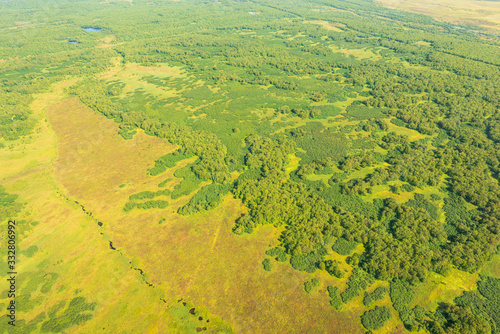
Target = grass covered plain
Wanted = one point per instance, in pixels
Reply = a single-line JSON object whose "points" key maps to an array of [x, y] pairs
{"points": [[313, 167]]}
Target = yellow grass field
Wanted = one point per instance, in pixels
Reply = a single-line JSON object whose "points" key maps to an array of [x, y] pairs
{"points": [[485, 14], [76, 257]]}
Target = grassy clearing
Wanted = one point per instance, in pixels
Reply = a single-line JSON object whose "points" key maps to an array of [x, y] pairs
{"points": [[328, 25], [362, 54], [412, 135], [293, 164], [443, 288]]}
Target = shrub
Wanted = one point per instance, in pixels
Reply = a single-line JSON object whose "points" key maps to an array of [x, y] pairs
{"points": [[309, 285], [344, 247], [334, 294], [376, 318], [279, 253], [267, 264], [377, 294]]}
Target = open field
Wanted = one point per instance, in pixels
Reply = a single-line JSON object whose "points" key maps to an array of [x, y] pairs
{"points": [[76, 256], [485, 14]]}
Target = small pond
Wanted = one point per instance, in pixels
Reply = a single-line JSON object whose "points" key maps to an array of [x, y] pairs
{"points": [[92, 29]]}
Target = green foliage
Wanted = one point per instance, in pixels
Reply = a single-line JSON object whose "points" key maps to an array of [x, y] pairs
{"points": [[457, 216], [362, 112], [267, 264], [164, 183], [30, 251], [306, 262], [402, 295], [344, 247], [78, 311], [409, 188], [358, 281], [332, 267], [190, 181], [448, 93], [168, 161], [473, 312], [455, 319], [156, 204], [244, 224], [127, 133], [149, 194], [335, 299], [206, 198], [279, 253], [435, 197], [8, 204], [356, 162], [319, 142], [377, 294], [310, 285], [376, 318], [419, 201], [393, 243]]}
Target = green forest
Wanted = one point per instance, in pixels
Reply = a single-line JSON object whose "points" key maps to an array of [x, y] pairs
{"points": [[367, 138]]}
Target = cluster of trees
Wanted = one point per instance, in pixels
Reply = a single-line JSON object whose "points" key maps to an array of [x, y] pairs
{"points": [[318, 166], [358, 281], [377, 294], [156, 204], [279, 254], [356, 162], [310, 285], [335, 299], [8, 204], [344, 247], [332, 267], [168, 161], [208, 197], [267, 265], [308, 112], [472, 312], [149, 194], [376, 318]]}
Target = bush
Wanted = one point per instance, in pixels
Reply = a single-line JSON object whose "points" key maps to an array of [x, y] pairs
{"points": [[344, 247], [243, 224], [306, 262], [377, 294], [168, 161], [279, 253], [309, 285], [164, 183], [358, 281], [420, 202], [332, 267], [334, 294], [206, 198], [401, 296], [267, 264], [376, 318], [149, 194]]}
